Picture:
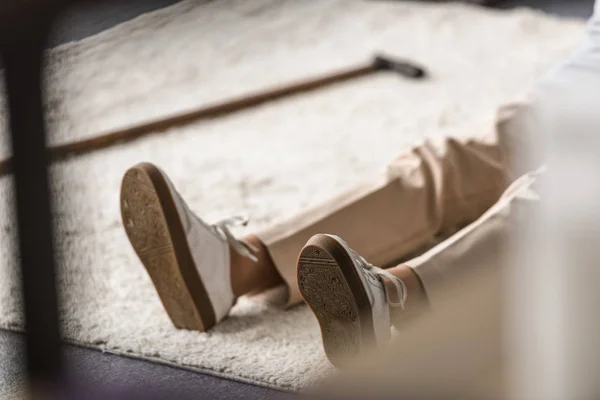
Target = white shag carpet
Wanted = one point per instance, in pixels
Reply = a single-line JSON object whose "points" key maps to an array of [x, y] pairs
{"points": [[269, 162]]}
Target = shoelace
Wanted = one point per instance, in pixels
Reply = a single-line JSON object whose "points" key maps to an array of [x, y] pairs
{"points": [[398, 283], [242, 247]]}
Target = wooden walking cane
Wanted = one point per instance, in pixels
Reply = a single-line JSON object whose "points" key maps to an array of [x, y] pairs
{"points": [[379, 63]]}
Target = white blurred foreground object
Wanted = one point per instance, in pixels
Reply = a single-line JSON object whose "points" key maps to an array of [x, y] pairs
{"points": [[555, 326]]}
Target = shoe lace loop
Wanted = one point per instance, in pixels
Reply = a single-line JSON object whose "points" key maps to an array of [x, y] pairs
{"points": [[242, 247]]}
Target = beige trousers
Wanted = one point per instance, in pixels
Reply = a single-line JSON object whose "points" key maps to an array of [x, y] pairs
{"points": [[437, 189]]}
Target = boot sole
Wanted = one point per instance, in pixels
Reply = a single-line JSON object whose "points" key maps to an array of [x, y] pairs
{"points": [[157, 235], [332, 288]]}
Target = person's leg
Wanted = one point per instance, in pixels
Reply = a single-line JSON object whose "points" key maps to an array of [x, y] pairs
{"points": [[356, 302], [252, 276], [436, 188], [480, 247]]}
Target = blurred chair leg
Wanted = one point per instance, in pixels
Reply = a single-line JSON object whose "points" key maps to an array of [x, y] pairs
{"points": [[23, 60]]}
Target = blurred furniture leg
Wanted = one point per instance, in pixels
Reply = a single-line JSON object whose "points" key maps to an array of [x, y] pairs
{"points": [[23, 59]]}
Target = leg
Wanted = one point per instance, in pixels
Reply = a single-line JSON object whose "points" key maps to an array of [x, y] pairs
{"points": [[355, 302], [436, 188], [250, 277], [479, 247]]}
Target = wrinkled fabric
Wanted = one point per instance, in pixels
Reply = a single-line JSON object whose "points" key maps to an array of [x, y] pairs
{"points": [[482, 246], [435, 189]]}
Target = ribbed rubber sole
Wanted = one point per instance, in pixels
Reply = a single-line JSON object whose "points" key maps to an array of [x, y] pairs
{"points": [[157, 235], [330, 285]]}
